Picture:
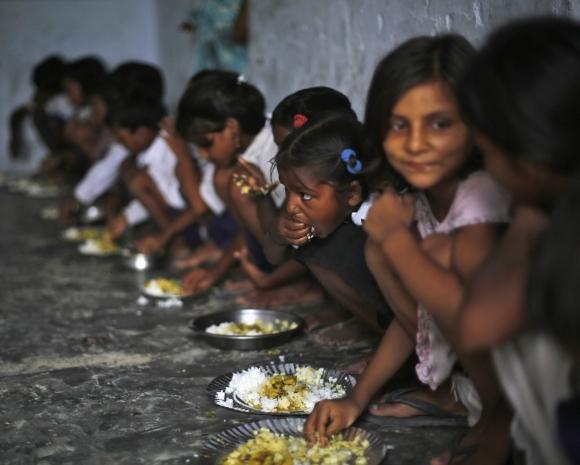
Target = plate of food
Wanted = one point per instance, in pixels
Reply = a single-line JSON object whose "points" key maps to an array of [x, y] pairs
{"points": [[163, 288], [81, 234], [248, 328], [279, 389], [103, 245], [281, 441]]}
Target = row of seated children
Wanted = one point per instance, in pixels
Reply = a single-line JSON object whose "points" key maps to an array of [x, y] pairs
{"points": [[458, 266]]}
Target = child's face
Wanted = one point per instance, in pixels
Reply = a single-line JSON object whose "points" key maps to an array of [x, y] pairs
{"points": [[427, 142], [98, 110], [74, 91], [222, 147], [135, 141], [315, 203]]}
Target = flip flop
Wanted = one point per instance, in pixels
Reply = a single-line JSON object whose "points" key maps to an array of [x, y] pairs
{"points": [[398, 396]]}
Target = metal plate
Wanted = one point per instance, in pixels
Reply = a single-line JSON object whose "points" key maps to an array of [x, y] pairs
{"points": [[141, 262], [248, 316], [84, 251], [167, 296], [219, 445], [346, 381]]}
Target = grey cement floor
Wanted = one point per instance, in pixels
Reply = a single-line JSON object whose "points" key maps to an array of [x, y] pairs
{"points": [[87, 376]]}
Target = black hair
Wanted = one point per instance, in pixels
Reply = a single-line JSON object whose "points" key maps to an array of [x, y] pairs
{"points": [[417, 61], [134, 79], [132, 114], [553, 290], [320, 145], [213, 97], [47, 75], [522, 91], [314, 102], [88, 71]]}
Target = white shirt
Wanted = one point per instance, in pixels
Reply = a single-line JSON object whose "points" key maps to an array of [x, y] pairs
{"points": [[102, 175], [60, 106], [159, 162], [261, 152]]}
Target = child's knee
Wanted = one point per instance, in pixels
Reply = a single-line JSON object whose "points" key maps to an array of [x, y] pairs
{"points": [[438, 247]]}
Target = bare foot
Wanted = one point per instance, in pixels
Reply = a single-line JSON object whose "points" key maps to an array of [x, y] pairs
{"points": [[326, 317], [419, 402], [207, 253], [346, 332], [300, 292], [488, 442], [256, 275], [240, 285]]}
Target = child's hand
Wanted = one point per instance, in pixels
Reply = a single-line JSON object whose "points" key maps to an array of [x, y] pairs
{"points": [[116, 226], [294, 230], [149, 245], [328, 418], [198, 280], [388, 213], [250, 180], [67, 210]]}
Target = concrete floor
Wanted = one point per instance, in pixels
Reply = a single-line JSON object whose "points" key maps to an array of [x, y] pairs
{"points": [[87, 376]]}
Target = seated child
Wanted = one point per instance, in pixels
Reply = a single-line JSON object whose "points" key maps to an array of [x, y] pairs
{"points": [[529, 139], [424, 246], [128, 78], [37, 128]]}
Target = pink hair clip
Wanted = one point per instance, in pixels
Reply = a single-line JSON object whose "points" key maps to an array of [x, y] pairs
{"points": [[299, 120]]}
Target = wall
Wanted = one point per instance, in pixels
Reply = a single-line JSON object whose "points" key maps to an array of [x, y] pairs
{"points": [[301, 43], [31, 29]]}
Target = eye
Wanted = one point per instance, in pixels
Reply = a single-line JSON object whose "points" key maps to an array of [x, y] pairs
{"points": [[397, 125], [305, 196], [441, 123]]}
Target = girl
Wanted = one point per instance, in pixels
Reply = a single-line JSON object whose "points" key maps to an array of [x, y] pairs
{"points": [[224, 116], [329, 170], [521, 95], [412, 114], [293, 112]]}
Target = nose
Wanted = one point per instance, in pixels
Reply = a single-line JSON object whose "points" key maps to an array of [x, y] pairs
{"points": [[292, 205], [416, 141]]}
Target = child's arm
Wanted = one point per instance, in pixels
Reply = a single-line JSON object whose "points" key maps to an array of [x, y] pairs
{"points": [[332, 416], [494, 310], [439, 289], [189, 179], [202, 278]]}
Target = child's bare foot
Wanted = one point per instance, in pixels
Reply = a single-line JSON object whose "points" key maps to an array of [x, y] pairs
{"points": [[412, 402], [239, 285], [346, 332], [256, 275], [300, 292], [325, 317], [207, 253], [488, 442]]}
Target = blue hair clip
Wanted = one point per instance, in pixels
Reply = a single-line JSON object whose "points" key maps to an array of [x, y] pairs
{"points": [[347, 155]]}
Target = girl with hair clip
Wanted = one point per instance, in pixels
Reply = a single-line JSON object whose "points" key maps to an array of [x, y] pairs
{"points": [[424, 246], [330, 169], [281, 286], [224, 116], [529, 137]]}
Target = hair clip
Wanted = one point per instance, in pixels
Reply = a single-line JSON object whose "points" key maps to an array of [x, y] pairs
{"points": [[241, 79], [353, 164], [299, 120]]}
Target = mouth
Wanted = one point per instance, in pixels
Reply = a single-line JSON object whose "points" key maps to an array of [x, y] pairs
{"points": [[415, 167]]}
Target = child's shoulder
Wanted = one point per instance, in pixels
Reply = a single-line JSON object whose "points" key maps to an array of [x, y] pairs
{"points": [[480, 199]]}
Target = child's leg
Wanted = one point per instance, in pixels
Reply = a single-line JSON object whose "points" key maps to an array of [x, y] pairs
{"points": [[283, 274], [346, 296], [145, 189]]}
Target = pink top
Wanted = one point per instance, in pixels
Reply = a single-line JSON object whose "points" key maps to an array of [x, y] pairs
{"points": [[479, 199]]}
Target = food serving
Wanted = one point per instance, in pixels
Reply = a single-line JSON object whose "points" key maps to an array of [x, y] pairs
{"points": [[102, 245], [230, 328], [163, 287]]}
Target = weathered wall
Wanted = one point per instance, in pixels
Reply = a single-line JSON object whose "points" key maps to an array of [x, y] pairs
{"points": [[301, 43]]}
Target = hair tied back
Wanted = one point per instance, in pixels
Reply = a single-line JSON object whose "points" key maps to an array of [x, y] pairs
{"points": [[299, 120], [353, 164]]}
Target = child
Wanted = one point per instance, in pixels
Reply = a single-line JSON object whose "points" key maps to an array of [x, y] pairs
{"points": [[130, 78], [293, 112], [154, 181], [37, 128], [521, 95], [224, 116], [329, 170], [413, 115]]}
